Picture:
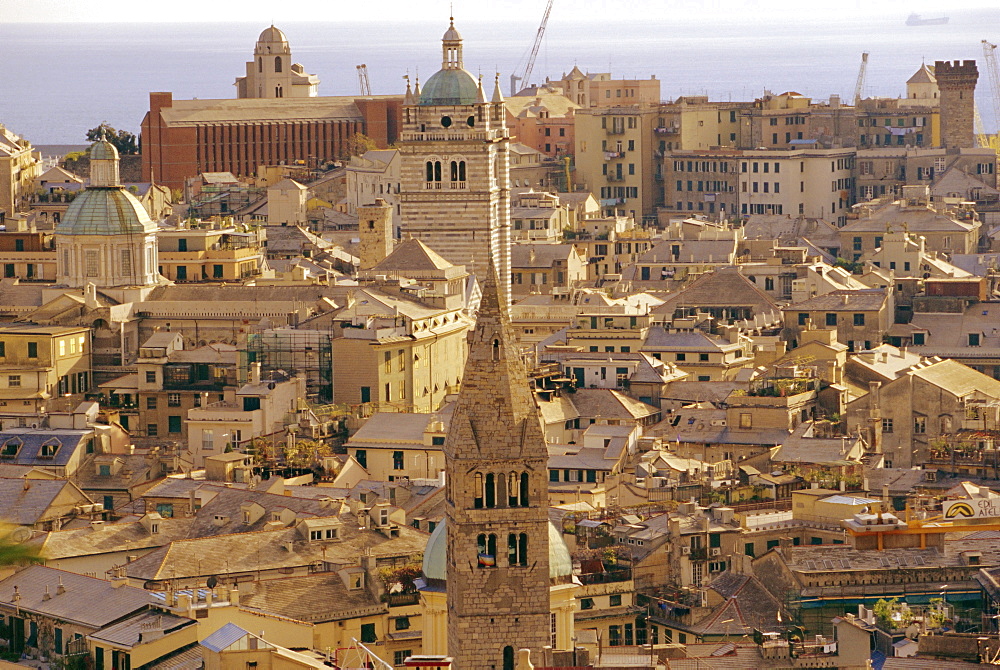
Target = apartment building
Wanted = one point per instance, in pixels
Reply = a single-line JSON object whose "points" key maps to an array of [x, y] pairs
{"points": [[614, 158], [38, 363], [20, 165], [210, 251], [816, 183]]}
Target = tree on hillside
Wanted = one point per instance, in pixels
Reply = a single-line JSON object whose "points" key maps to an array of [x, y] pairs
{"points": [[124, 141], [358, 145]]}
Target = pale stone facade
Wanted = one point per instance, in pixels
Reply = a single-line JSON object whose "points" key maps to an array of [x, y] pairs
{"points": [[454, 169], [286, 203], [272, 74], [20, 165], [106, 237]]}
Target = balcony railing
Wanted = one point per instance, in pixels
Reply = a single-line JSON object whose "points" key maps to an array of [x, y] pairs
{"points": [[608, 577], [401, 599], [611, 155]]}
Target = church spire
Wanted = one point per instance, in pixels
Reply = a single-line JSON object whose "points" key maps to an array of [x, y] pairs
{"points": [[408, 98], [497, 93], [495, 416]]}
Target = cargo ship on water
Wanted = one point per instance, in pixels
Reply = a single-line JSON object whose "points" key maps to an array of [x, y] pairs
{"points": [[918, 20]]}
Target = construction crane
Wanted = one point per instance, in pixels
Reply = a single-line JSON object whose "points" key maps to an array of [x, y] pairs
{"points": [[861, 79], [530, 65], [364, 84], [990, 56]]}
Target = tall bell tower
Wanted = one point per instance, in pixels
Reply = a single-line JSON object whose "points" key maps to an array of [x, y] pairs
{"points": [[496, 498], [455, 167]]}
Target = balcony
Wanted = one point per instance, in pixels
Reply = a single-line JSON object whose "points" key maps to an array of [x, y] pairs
{"points": [[402, 599], [616, 177], [699, 554], [611, 155], [667, 130], [607, 577]]}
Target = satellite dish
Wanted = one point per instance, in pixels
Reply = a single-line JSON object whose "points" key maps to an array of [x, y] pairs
{"points": [[212, 582]]}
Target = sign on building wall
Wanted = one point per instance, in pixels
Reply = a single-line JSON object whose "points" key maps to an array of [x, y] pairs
{"points": [[983, 508]]}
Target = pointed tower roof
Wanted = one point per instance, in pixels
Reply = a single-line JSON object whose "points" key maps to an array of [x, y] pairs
{"points": [[412, 254], [408, 98], [482, 94], [925, 75], [497, 93], [495, 416]]}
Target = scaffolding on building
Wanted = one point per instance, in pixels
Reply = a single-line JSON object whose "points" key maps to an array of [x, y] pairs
{"points": [[306, 353]]}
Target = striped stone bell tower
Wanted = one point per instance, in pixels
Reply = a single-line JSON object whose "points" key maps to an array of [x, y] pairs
{"points": [[496, 502], [454, 156]]}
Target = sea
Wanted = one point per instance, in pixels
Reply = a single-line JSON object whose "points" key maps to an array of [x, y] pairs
{"points": [[59, 79]]}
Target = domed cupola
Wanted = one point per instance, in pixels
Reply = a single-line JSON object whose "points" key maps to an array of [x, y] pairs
{"points": [[272, 41], [452, 84], [106, 237]]}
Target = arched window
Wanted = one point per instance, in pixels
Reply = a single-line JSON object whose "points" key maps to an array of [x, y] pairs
{"points": [[508, 658], [454, 170], [260, 64], [491, 491], [437, 170], [524, 489], [517, 549], [512, 488], [430, 171], [496, 349], [277, 63], [486, 546], [461, 170], [478, 483]]}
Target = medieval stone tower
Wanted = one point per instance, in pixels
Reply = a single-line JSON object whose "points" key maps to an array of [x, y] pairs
{"points": [[496, 502], [455, 167], [375, 231], [957, 83]]}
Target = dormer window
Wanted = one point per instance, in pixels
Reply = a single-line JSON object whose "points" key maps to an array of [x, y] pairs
{"points": [[49, 448], [11, 447]]}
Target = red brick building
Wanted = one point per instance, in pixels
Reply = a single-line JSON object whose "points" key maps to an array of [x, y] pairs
{"points": [[183, 138]]}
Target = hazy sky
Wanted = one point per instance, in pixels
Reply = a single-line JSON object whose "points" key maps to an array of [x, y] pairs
{"points": [[387, 10]]}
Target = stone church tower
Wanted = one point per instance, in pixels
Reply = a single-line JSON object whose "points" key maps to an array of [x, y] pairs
{"points": [[455, 167], [272, 74], [957, 83], [496, 498]]}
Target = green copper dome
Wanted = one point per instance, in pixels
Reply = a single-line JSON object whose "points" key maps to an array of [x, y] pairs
{"points": [[435, 564], [105, 211], [450, 87]]}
